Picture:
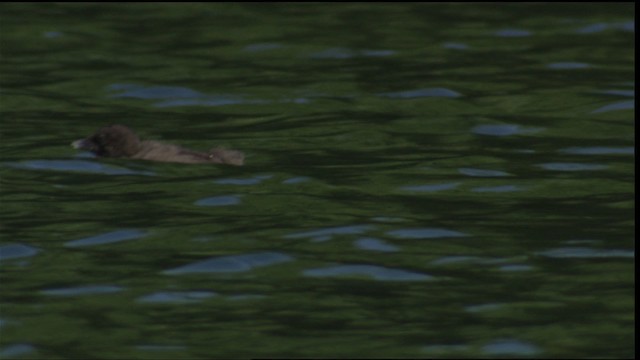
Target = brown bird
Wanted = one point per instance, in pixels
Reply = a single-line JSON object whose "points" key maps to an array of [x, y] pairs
{"points": [[121, 142]]}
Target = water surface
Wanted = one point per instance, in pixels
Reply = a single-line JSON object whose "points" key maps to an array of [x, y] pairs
{"points": [[421, 181]]}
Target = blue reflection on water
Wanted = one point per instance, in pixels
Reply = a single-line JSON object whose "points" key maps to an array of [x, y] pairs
{"points": [[173, 96], [510, 347], [445, 348], [455, 46], [375, 272], [622, 105], [75, 165], [431, 187], [513, 33], [217, 100], [373, 244], [83, 290], [108, 238], [498, 189], [258, 47], [177, 297], [344, 53], [600, 27], [572, 166], [16, 350], [568, 66], [248, 181], [418, 93], [424, 233], [627, 93], [585, 252], [296, 180], [161, 348], [482, 172], [503, 130], [153, 92], [599, 150], [12, 251], [52, 34], [483, 307], [458, 259], [224, 200], [515, 268], [233, 263], [328, 233]]}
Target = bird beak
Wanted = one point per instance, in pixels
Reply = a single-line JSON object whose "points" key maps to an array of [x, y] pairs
{"points": [[80, 144]]}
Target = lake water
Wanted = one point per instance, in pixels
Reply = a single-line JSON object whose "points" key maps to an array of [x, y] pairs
{"points": [[421, 180]]}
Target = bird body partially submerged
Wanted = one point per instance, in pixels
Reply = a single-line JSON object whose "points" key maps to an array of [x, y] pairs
{"points": [[121, 142]]}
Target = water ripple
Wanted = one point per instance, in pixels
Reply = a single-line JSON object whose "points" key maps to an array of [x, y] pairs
{"points": [[572, 166], [419, 93], [328, 233], [373, 244], [177, 297], [498, 189], [248, 181], [600, 27], [511, 347], [259, 47], [343, 53], [16, 350], [224, 200], [622, 105], [83, 290], [430, 187], [503, 130], [568, 66], [599, 150], [513, 33], [12, 251], [108, 238], [585, 252], [232, 263], [482, 172], [424, 233], [372, 271], [174, 96], [75, 165], [458, 259]]}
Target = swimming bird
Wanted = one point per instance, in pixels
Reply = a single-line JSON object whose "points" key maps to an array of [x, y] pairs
{"points": [[118, 141]]}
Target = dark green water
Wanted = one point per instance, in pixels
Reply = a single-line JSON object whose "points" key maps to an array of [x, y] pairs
{"points": [[435, 181]]}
